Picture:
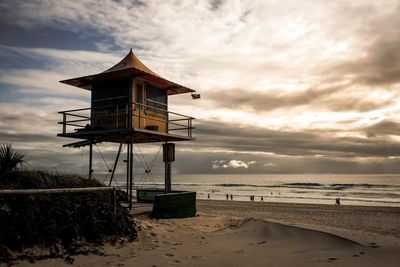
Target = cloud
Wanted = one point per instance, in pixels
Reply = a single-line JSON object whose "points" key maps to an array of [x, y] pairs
{"points": [[293, 143], [376, 63], [217, 164], [269, 164], [332, 98], [382, 128], [281, 91]]}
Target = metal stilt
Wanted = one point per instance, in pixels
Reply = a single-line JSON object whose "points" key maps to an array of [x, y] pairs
{"points": [[127, 167], [115, 163], [130, 175], [90, 160]]}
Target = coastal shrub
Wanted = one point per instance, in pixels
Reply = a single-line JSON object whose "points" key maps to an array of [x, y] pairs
{"points": [[43, 179], [47, 219]]}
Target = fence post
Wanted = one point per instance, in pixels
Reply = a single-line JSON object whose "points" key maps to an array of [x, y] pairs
{"points": [[114, 205]]}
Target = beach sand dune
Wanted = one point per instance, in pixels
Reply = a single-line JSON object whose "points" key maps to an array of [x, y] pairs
{"points": [[240, 236]]}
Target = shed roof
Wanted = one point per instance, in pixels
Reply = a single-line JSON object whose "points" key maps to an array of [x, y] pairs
{"points": [[129, 66]]}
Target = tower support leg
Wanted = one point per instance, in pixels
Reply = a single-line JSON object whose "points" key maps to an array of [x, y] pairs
{"points": [[128, 153], [90, 160], [115, 163], [130, 175]]}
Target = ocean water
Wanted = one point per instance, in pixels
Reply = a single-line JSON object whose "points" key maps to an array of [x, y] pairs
{"points": [[360, 189]]}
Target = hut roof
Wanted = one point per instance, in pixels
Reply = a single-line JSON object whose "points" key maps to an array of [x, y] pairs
{"points": [[129, 66]]}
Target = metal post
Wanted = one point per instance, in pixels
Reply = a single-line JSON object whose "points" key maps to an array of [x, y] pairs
{"points": [[140, 115], [190, 126], [127, 116], [130, 176], [168, 158], [115, 163], [128, 153], [114, 205], [188, 132], [90, 160], [167, 177]]}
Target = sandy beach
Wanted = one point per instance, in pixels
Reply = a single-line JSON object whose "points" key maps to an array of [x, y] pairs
{"points": [[230, 233]]}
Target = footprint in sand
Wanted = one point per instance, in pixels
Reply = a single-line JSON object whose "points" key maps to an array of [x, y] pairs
{"points": [[373, 245], [195, 257], [240, 251], [169, 255], [332, 259], [261, 242]]}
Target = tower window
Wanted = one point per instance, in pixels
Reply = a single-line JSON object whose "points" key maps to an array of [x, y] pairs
{"points": [[156, 100]]}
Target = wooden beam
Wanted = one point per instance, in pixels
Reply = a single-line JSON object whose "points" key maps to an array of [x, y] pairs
{"points": [[52, 191]]}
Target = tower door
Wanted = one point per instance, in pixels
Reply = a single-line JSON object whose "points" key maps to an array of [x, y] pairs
{"points": [[139, 115]]}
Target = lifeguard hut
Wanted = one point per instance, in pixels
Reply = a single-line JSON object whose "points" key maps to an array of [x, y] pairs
{"points": [[129, 104]]}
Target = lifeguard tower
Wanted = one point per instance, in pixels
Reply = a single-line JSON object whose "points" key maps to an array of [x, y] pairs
{"points": [[129, 104]]}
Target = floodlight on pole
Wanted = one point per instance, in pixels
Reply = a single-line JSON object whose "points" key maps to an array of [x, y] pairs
{"points": [[195, 95]]}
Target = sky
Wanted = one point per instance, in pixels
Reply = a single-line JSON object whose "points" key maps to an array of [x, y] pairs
{"points": [[302, 86]]}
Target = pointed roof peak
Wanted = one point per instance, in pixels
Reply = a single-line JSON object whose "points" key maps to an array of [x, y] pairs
{"points": [[131, 61], [129, 66]]}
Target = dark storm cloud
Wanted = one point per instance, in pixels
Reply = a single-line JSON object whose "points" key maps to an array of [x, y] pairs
{"points": [[382, 128], [380, 49], [381, 66], [266, 101], [27, 137], [295, 143], [332, 98]]}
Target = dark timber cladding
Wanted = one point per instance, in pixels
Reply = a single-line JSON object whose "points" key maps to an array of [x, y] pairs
{"points": [[129, 104]]}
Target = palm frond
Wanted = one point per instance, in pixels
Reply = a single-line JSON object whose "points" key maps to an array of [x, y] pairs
{"points": [[10, 160]]}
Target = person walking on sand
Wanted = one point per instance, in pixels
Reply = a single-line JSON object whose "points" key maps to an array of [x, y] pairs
{"points": [[231, 197], [262, 199], [208, 196], [227, 197]]}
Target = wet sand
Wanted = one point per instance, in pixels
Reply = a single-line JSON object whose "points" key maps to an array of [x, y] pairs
{"points": [[230, 233]]}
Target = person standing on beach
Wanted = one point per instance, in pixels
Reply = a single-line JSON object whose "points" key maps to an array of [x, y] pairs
{"points": [[227, 197], [231, 197], [208, 196], [262, 199]]}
